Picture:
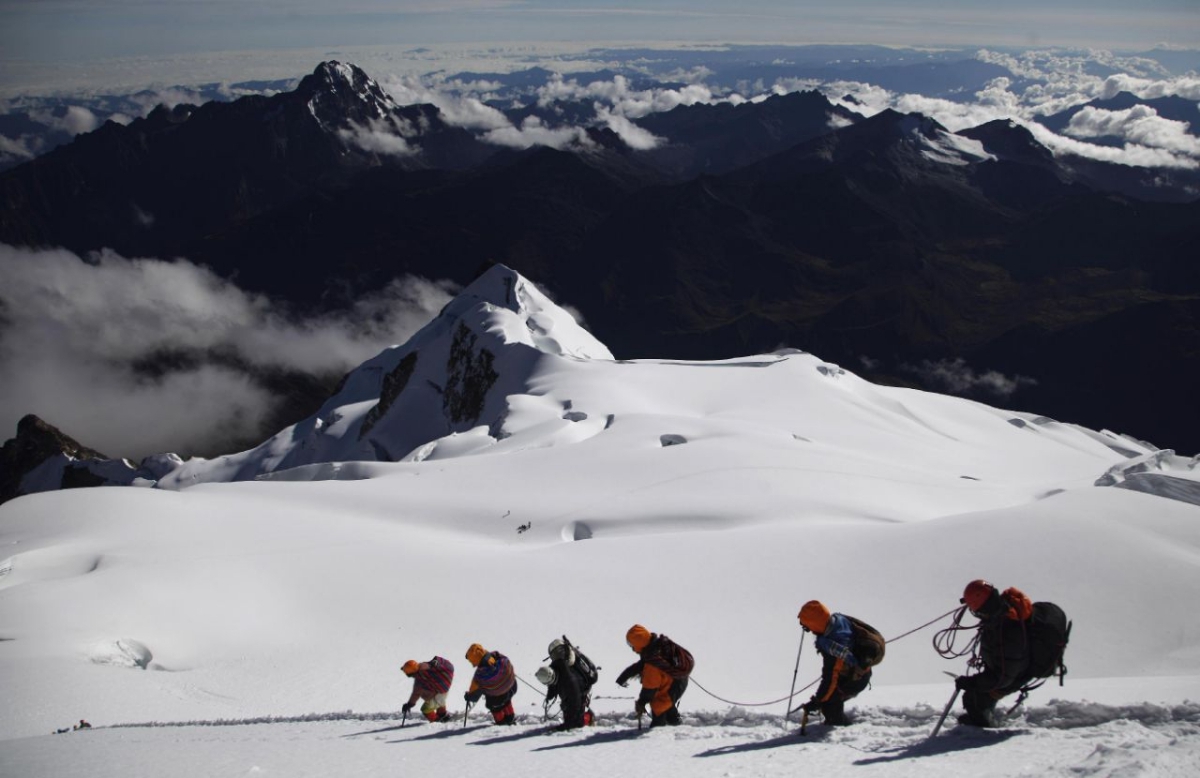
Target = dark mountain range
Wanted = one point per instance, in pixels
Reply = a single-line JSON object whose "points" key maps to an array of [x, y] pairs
{"points": [[715, 139], [888, 244], [154, 186]]}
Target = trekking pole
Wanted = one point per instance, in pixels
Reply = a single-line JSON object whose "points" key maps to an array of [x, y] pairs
{"points": [[466, 713], [403, 719], [804, 723], [795, 672], [945, 713]]}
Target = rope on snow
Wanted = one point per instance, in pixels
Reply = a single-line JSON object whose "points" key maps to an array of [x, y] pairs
{"points": [[818, 678]]}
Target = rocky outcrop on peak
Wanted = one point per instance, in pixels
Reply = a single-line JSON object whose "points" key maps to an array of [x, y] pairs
{"points": [[42, 458]]}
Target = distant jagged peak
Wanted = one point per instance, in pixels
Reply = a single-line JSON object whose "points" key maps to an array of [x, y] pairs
{"points": [[1007, 139], [36, 436], [338, 92]]}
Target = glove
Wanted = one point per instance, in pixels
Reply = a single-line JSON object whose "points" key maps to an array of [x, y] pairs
{"points": [[812, 706], [622, 684], [467, 697], [962, 683], [640, 708], [406, 707]]}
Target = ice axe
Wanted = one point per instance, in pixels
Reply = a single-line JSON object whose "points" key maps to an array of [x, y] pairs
{"points": [[403, 719], [804, 724], [796, 672], [945, 713], [466, 713]]}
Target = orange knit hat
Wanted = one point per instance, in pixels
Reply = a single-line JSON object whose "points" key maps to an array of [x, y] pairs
{"points": [[638, 637], [475, 654], [814, 616], [410, 667]]}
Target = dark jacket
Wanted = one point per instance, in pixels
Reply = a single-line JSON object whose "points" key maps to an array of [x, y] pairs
{"points": [[1004, 649], [572, 688]]}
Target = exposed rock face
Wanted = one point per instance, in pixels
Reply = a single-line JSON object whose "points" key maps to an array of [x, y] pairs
{"points": [[470, 377], [393, 384], [42, 457]]}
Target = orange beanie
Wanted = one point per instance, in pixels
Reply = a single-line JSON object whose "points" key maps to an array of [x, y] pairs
{"points": [[475, 654], [410, 667], [638, 637], [814, 616]]}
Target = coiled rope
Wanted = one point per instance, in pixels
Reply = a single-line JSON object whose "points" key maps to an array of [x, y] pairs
{"points": [[957, 612], [943, 640]]}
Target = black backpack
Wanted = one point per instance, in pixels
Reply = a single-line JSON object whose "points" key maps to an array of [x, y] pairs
{"points": [[586, 668], [868, 645], [1048, 630], [672, 658]]}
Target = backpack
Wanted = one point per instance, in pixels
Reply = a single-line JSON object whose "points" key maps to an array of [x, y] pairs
{"points": [[586, 668], [868, 645], [1048, 631], [440, 675], [672, 658]]}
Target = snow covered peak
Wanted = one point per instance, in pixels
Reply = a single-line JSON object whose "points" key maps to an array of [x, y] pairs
{"points": [[453, 376], [534, 321], [340, 93], [937, 144]]}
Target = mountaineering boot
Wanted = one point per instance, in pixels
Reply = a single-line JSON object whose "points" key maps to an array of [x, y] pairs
{"points": [[833, 713], [979, 719]]}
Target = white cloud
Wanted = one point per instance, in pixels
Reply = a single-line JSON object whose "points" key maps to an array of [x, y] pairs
{"points": [[459, 110], [23, 147], [1151, 141], [1183, 86], [624, 100], [956, 376], [76, 120], [72, 333], [1140, 125], [634, 136], [534, 132], [381, 137]]}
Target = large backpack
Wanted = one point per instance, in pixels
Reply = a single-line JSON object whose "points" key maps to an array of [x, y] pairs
{"points": [[1048, 630], [585, 667], [868, 645], [672, 658]]}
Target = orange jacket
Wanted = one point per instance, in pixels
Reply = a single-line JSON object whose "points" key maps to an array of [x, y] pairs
{"points": [[658, 682]]}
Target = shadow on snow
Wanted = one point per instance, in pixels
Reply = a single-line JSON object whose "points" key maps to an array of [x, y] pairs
{"points": [[597, 739], [946, 744]]}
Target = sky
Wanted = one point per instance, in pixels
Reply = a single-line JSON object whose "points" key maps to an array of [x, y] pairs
{"points": [[79, 30], [293, 600]]}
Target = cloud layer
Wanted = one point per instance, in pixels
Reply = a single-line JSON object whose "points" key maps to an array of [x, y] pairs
{"points": [[957, 377], [139, 356], [1042, 82]]}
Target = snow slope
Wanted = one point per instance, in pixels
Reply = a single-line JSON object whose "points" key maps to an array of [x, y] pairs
{"points": [[704, 500]]}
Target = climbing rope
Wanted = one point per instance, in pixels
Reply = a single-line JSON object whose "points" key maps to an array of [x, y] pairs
{"points": [[944, 640], [958, 617]]}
